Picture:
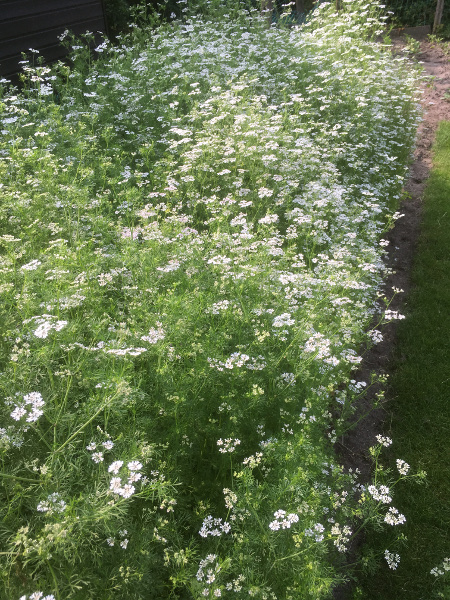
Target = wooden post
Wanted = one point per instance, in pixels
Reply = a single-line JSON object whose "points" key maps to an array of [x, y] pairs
{"points": [[438, 15]]}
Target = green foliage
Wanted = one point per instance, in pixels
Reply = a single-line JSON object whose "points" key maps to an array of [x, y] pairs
{"points": [[414, 13], [117, 13], [412, 45]]}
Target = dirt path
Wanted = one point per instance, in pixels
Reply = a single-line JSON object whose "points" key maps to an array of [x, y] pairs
{"points": [[353, 448], [402, 243]]}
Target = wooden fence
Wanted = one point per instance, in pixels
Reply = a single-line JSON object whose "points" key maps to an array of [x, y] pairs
{"points": [[36, 24]]}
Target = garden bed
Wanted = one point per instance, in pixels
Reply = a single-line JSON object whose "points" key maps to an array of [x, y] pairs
{"points": [[193, 238]]}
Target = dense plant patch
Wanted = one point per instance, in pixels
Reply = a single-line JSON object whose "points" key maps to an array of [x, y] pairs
{"points": [[192, 242]]}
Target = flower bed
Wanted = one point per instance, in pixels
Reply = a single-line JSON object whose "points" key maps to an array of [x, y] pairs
{"points": [[191, 233]]}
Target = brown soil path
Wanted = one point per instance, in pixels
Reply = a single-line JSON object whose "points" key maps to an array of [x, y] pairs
{"points": [[402, 243]]}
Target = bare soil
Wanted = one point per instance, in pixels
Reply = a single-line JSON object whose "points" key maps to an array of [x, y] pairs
{"points": [[368, 422]]}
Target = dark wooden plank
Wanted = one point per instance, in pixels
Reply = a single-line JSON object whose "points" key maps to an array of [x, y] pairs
{"points": [[10, 65], [26, 24], [44, 21], [50, 51], [38, 40], [25, 8]]}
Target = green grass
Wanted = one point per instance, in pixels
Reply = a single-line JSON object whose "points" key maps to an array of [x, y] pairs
{"points": [[420, 392]]}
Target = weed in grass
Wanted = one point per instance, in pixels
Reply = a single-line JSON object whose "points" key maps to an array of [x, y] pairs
{"points": [[434, 40], [412, 46]]}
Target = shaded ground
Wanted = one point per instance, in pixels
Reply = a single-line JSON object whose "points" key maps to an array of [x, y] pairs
{"points": [[402, 243], [353, 448]]}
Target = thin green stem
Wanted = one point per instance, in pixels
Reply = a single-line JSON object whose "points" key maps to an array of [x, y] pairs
{"points": [[7, 476], [80, 429]]}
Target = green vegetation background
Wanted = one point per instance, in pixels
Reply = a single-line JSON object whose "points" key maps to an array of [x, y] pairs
{"points": [[407, 13]]}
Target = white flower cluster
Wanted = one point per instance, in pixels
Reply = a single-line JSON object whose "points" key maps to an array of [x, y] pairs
{"points": [[172, 265], [342, 536], [29, 408], [10, 437], [268, 219], [384, 441], [154, 335], [133, 475], [97, 456], [218, 306], [214, 527], [31, 266], [441, 569], [391, 315], [316, 532], [228, 445], [380, 494], [253, 461], [207, 572], [402, 466], [283, 320], [53, 504], [393, 517], [123, 543], [319, 345], [392, 559], [265, 192], [230, 498], [286, 378], [236, 584], [238, 359], [46, 324], [376, 336], [125, 351], [283, 520]]}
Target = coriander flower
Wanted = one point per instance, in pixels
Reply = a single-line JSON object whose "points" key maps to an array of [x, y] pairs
{"points": [[214, 527], [97, 457], [380, 494], [402, 466], [52, 504], [31, 266], [115, 466], [393, 517], [283, 520], [18, 413], [115, 485], [442, 568], [384, 441], [35, 401], [228, 445], [391, 559], [127, 491], [134, 465], [316, 532]]}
